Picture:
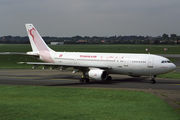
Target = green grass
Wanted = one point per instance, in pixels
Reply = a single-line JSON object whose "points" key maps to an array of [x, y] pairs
{"points": [[44, 103], [10, 61], [119, 48], [109, 48], [174, 75], [15, 47], [173, 60]]}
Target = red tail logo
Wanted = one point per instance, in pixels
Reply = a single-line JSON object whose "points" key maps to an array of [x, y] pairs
{"points": [[30, 32]]}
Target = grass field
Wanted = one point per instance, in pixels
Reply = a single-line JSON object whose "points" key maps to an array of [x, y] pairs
{"points": [[114, 48], [174, 75], [44, 103]]}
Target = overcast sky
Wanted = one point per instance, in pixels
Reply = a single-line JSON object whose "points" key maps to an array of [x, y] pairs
{"points": [[67, 18]]}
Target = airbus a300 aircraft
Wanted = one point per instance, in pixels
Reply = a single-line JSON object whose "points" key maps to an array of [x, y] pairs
{"points": [[97, 66]]}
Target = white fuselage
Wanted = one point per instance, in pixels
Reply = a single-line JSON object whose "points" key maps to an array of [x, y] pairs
{"points": [[128, 64], [97, 66]]}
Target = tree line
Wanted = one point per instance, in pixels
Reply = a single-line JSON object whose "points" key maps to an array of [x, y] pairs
{"points": [[164, 39]]}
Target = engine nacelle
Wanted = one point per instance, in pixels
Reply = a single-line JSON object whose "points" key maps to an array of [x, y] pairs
{"points": [[98, 74]]}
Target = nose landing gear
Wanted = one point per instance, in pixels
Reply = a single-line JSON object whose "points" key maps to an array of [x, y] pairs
{"points": [[152, 81]]}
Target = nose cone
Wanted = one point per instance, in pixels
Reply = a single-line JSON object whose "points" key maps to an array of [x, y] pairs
{"points": [[172, 66]]}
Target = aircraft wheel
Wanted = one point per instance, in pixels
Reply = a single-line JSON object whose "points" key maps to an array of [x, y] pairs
{"points": [[152, 81], [109, 78], [81, 80], [87, 80]]}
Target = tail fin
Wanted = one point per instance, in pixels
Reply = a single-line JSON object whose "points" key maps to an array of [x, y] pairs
{"points": [[37, 43]]}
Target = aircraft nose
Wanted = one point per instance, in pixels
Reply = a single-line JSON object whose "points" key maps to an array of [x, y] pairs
{"points": [[173, 66]]}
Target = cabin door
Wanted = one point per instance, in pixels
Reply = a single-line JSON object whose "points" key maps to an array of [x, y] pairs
{"points": [[126, 61], [150, 62]]}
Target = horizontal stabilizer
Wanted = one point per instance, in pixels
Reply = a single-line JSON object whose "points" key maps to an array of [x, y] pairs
{"points": [[17, 53]]}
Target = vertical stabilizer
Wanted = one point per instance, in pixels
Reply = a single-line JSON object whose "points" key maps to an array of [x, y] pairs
{"points": [[37, 43]]}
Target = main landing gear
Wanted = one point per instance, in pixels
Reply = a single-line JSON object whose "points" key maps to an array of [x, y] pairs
{"points": [[152, 81], [84, 79]]}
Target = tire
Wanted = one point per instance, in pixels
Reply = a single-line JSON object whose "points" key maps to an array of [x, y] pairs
{"points": [[87, 80], [109, 78], [81, 80], [152, 81]]}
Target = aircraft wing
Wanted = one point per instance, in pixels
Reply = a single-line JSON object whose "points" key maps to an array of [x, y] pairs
{"points": [[66, 65]]}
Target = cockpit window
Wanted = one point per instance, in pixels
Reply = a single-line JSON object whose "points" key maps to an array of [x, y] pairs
{"points": [[164, 61], [169, 61]]}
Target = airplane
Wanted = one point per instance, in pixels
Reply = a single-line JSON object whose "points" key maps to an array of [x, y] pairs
{"points": [[96, 66]]}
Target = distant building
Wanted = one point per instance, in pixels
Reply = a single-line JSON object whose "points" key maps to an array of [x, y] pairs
{"points": [[82, 41], [103, 41], [57, 43], [177, 41]]}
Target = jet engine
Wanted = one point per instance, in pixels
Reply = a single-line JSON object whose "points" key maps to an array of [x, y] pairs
{"points": [[98, 74]]}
